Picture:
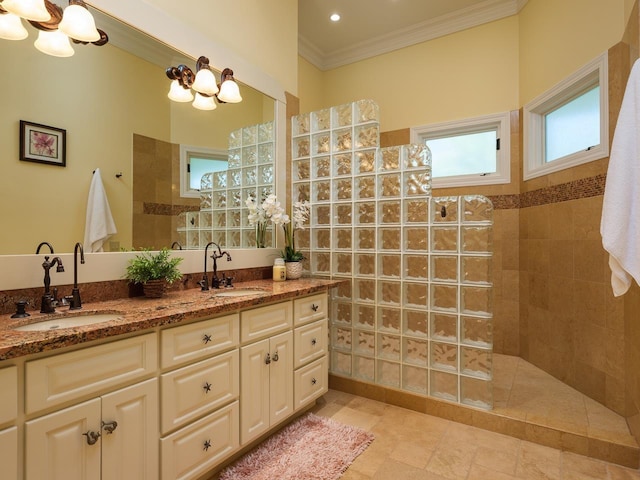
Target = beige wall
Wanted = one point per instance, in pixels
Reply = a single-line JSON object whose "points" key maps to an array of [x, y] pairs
{"points": [[557, 38], [263, 32], [470, 73], [310, 86]]}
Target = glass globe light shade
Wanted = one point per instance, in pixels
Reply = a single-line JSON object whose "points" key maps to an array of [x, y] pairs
{"points": [[54, 43], [202, 102], [179, 94], [205, 82], [11, 27], [229, 92], [78, 23], [28, 9]]}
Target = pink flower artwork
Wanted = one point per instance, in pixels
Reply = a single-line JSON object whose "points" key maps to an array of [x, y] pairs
{"points": [[43, 144]]}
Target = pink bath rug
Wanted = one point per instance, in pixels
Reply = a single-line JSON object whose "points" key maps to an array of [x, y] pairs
{"points": [[311, 448]]}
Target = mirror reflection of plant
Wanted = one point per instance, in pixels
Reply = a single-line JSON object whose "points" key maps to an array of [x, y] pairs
{"points": [[271, 210]]}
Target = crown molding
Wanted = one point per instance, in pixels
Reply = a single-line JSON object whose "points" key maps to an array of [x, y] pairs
{"points": [[469, 17]]}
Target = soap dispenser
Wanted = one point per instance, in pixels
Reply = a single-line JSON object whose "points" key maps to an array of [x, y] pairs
{"points": [[279, 270]]}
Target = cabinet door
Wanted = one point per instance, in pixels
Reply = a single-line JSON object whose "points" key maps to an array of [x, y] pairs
{"points": [[8, 394], [254, 390], [281, 377], [57, 448], [9, 453], [131, 450]]}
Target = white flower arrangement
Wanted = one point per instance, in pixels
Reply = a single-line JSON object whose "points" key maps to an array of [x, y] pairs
{"points": [[271, 210]]}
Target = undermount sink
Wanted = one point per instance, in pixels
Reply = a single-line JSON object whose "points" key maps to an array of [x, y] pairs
{"points": [[69, 322], [239, 292]]}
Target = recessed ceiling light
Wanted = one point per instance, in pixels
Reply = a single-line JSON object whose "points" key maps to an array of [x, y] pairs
{"points": [[334, 17]]}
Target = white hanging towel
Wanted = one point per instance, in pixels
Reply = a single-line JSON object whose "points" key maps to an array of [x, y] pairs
{"points": [[99, 224], [620, 223]]}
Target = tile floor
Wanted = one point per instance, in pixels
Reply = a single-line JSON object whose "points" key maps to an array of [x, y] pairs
{"points": [[411, 445]]}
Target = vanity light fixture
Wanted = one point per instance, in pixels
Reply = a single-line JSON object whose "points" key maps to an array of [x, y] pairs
{"points": [[203, 82], [56, 27]]}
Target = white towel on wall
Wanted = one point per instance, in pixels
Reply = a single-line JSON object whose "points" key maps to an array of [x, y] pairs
{"points": [[620, 223], [99, 224]]}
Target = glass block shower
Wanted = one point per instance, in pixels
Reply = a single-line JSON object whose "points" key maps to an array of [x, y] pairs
{"points": [[416, 314], [223, 214]]}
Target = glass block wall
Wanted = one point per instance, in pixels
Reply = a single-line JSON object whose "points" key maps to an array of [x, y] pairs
{"points": [[223, 213], [417, 312]]}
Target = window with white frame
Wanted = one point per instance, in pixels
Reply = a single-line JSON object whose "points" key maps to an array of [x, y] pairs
{"points": [[474, 151], [569, 124], [194, 163]]}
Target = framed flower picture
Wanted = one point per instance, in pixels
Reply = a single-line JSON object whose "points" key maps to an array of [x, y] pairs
{"points": [[43, 144]]}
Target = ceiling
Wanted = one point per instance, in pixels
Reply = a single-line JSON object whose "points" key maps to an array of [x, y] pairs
{"points": [[372, 27]]}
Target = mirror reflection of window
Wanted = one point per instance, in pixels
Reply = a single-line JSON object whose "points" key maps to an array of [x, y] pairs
{"points": [[194, 163]]}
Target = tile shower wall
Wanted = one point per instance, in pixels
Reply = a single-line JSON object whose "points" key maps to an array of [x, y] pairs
{"points": [[223, 215], [417, 314]]}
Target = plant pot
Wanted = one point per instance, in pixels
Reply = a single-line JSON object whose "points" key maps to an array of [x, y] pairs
{"points": [[154, 288], [294, 270]]}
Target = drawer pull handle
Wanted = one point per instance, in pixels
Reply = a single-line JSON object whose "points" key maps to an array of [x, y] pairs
{"points": [[207, 445], [275, 356], [267, 360], [109, 427], [206, 339], [207, 387], [313, 381], [314, 307], [313, 341], [92, 437]]}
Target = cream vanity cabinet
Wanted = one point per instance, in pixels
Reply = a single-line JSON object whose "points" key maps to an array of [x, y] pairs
{"points": [[110, 436], [199, 387], [266, 374], [8, 414], [310, 349]]}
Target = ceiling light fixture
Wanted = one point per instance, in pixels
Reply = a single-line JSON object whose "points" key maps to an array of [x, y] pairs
{"points": [[334, 17], [56, 27], [204, 83]]}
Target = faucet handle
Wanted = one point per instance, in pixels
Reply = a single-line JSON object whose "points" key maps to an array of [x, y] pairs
{"points": [[228, 282]]}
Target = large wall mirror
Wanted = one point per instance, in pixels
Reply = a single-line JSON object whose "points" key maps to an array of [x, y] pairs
{"points": [[112, 102]]}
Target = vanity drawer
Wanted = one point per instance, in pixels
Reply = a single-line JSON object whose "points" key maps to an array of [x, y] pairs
{"points": [[309, 342], [265, 321], [308, 309], [195, 341], [8, 394], [310, 382], [61, 378], [192, 451], [192, 391]]}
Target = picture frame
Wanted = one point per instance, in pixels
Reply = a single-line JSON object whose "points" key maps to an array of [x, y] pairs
{"points": [[43, 144]]}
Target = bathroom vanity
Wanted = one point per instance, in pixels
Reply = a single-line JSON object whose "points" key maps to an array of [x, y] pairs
{"points": [[170, 388]]}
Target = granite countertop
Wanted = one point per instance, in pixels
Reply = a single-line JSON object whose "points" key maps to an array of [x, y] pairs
{"points": [[140, 313]]}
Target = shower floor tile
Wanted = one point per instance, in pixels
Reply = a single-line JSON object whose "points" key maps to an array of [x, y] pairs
{"points": [[525, 392]]}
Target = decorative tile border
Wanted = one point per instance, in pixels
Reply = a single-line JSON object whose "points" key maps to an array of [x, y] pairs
{"points": [[577, 189], [149, 208]]}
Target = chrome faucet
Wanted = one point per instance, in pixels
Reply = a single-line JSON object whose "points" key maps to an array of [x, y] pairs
{"points": [[49, 301], [75, 303]]}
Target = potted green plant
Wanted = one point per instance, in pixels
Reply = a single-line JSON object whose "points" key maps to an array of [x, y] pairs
{"points": [[154, 271]]}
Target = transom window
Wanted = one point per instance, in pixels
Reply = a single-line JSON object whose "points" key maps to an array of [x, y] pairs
{"points": [[194, 163], [474, 151], [568, 125]]}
